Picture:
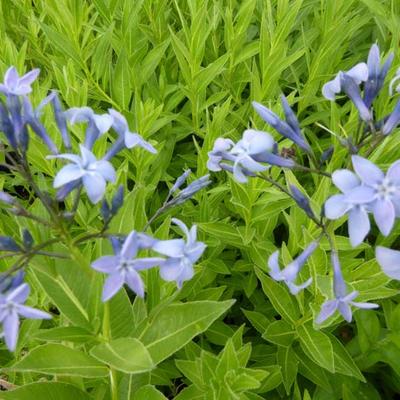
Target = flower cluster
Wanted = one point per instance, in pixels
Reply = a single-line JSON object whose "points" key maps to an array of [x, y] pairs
{"points": [[365, 191], [18, 117]]}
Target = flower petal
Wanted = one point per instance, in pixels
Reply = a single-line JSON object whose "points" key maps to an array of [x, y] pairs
{"points": [[19, 294], [112, 284], [67, 174], [274, 268], [171, 269], [295, 289], [29, 78], [259, 141], [87, 156], [359, 73], [33, 313], [365, 306], [105, 169], [140, 264], [389, 260], [369, 173], [328, 309], [345, 310], [135, 283], [107, 264], [10, 327], [194, 252], [336, 206], [360, 195], [384, 215], [95, 186], [103, 122], [393, 173], [11, 78], [358, 225], [130, 246], [345, 180], [170, 248], [331, 88]]}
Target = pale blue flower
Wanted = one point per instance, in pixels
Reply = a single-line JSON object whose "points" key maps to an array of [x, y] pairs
{"points": [[343, 300], [290, 273], [378, 192], [376, 74], [246, 155], [98, 123], [92, 173], [348, 82], [16, 85], [181, 254], [11, 308], [131, 139], [124, 267]]}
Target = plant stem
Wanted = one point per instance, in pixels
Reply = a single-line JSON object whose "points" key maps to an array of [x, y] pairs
{"points": [[313, 170], [107, 336], [286, 191]]}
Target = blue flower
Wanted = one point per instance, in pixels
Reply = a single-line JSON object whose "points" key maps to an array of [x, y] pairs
{"points": [[98, 123], [289, 274], [338, 205], [376, 74], [11, 308], [246, 155], [378, 192], [342, 300], [124, 266], [89, 171], [289, 129], [131, 139], [181, 254], [348, 82], [16, 85]]}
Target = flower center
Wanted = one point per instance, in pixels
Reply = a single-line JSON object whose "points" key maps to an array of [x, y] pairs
{"points": [[385, 190]]}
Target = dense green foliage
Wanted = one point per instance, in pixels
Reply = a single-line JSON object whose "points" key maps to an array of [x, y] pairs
{"points": [[185, 73]]}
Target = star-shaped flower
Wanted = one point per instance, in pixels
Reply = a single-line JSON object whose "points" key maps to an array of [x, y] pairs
{"points": [[92, 173], [343, 300], [16, 85], [182, 254], [11, 308], [124, 267], [289, 274]]}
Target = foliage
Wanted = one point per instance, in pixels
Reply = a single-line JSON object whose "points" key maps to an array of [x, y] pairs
{"points": [[184, 74]]}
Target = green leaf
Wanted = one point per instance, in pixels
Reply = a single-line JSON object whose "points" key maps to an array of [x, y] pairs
{"points": [[56, 359], [280, 333], [125, 354], [121, 83], [65, 333], [177, 324], [287, 359], [344, 363], [317, 346], [122, 321], [63, 297], [279, 297], [45, 391], [149, 392]]}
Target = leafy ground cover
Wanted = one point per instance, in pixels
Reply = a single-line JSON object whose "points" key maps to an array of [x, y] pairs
{"points": [[184, 74]]}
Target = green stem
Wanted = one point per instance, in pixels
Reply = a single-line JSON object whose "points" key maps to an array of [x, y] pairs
{"points": [[312, 170], [107, 336]]}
